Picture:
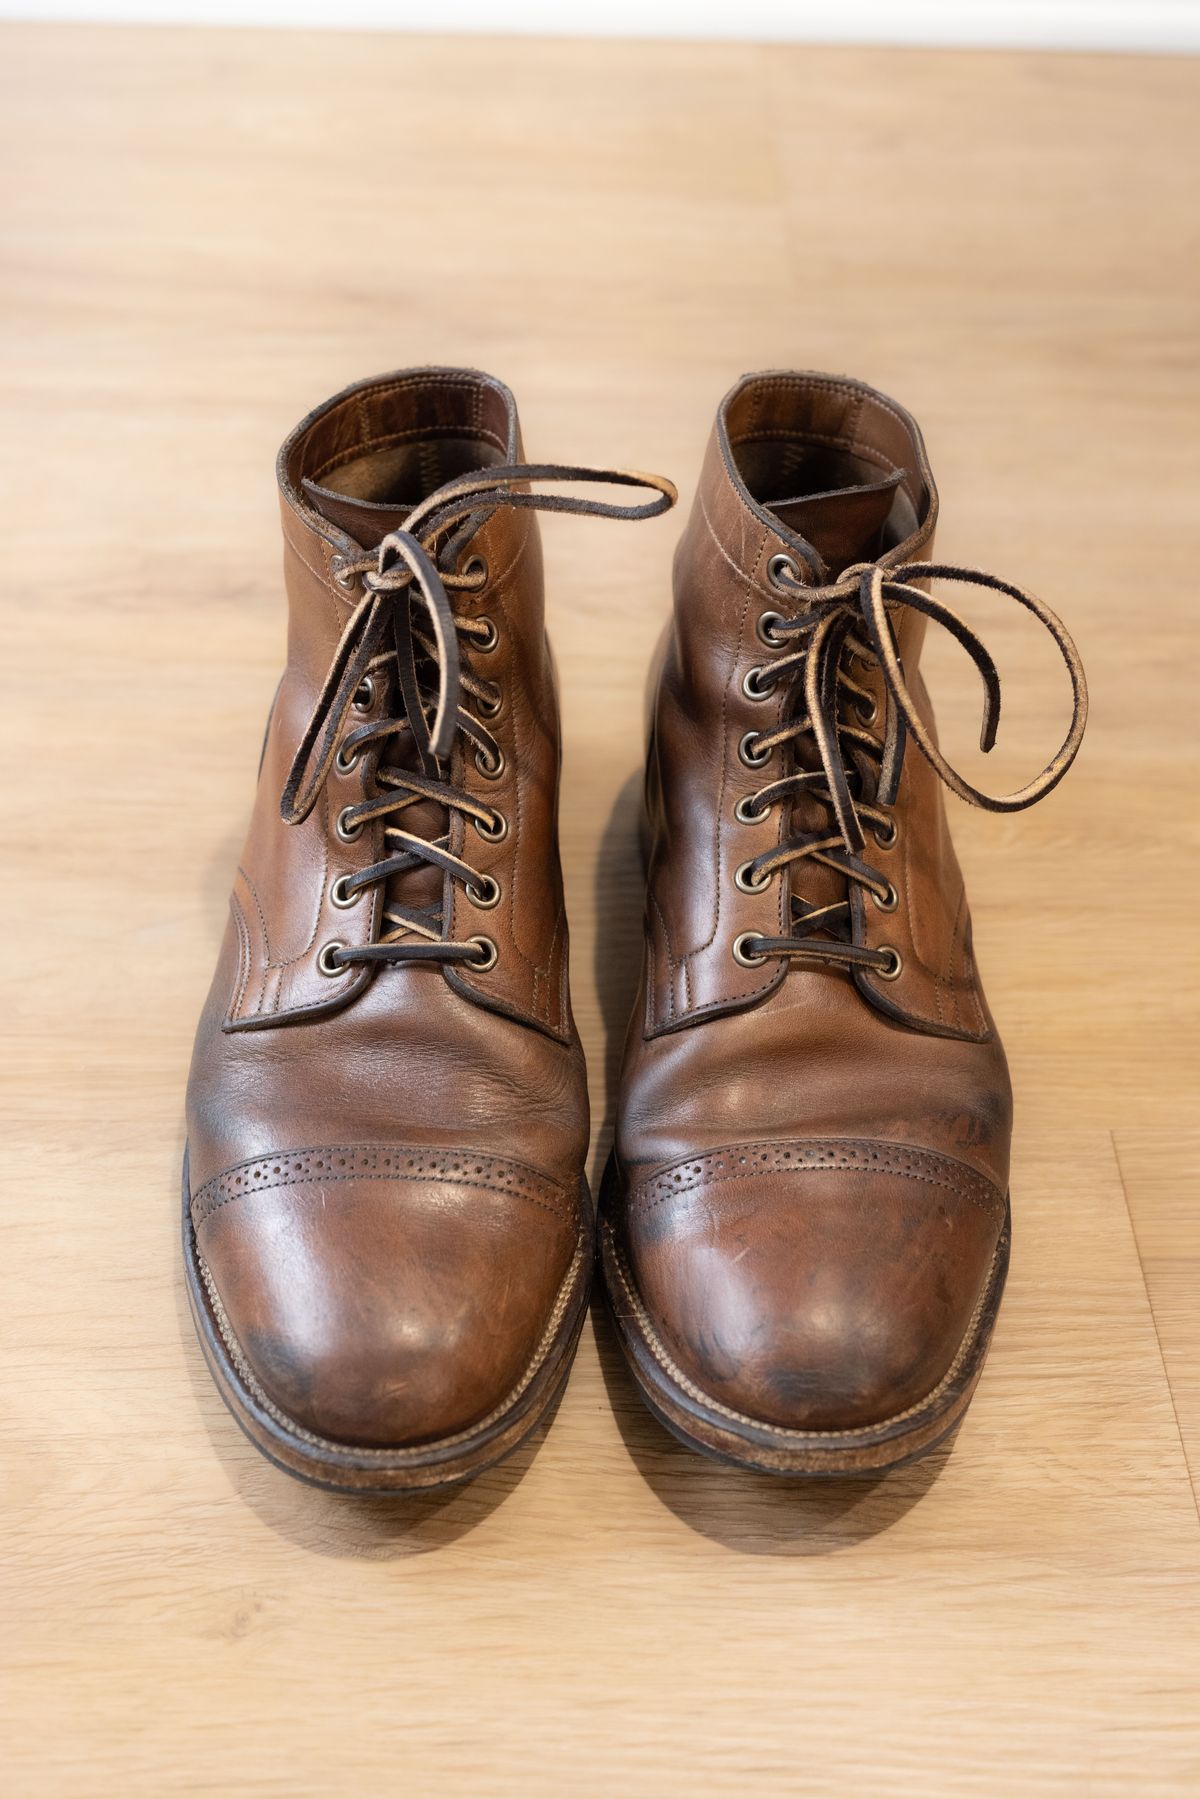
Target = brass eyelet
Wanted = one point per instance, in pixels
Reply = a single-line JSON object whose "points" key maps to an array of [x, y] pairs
{"points": [[766, 629], [485, 893], [325, 962], [489, 705], [495, 831], [340, 895], [888, 842], [346, 763], [348, 829], [346, 579], [781, 565], [744, 957], [476, 564], [747, 813], [892, 971], [890, 900], [491, 771], [364, 697], [491, 637], [751, 687], [746, 755], [488, 955], [747, 882]]}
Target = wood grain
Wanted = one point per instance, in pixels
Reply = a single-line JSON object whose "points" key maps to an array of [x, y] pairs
{"points": [[204, 234]]}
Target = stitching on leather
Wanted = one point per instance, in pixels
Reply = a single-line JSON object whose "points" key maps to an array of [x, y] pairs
{"points": [[751, 588], [349, 1162], [543, 989], [963, 986], [518, 762], [663, 1357], [820, 1155], [244, 960], [671, 963], [358, 399], [414, 1452], [425, 435], [290, 961], [835, 440], [804, 384], [562, 1020], [915, 477], [321, 574], [253, 892]]}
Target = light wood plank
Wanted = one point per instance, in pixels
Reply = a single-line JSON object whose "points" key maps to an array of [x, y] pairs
{"points": [[206, 233], [1161, 1172]]}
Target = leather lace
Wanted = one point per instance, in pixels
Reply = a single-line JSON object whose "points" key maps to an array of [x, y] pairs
{"points": [[405, 623], [857, 772]]}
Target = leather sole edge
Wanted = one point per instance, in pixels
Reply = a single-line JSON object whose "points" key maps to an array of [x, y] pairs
{"points": [[351, 1469]]}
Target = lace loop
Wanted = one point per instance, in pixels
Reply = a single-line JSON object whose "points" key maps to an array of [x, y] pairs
{"points": [[432, 683], [824, 634]]}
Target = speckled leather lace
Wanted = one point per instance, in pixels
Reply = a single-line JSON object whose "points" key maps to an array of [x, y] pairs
{"points": [[404, 625], [855, 773]]}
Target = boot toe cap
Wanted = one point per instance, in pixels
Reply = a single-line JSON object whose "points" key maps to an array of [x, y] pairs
{"points": [[814, 1286], [384, 1298]]}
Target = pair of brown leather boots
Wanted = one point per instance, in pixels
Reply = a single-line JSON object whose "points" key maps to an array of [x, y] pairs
{"points": [[804, 1226]]}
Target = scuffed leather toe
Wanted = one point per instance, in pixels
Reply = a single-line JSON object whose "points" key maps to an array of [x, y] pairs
{"points": [[814, 1285], [385, 1297]]}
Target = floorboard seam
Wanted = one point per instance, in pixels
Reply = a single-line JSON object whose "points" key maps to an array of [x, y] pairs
{"points": [[1162, 1355]]}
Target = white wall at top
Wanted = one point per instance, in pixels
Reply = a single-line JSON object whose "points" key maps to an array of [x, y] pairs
{"points": [[1150, 25]]}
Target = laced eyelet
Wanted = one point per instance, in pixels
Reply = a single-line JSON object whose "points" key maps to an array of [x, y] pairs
{"points": [[782, 565], [766, 629], [495, 831], [890, 900], [742, 955], [325, 962], [747, 813], [888, 842], [477, 565], [488, 705], [491, 771], [364, 697], [488, 954], [340, 895], [746, 754], [746, 882], [751, 687], [485, 893], [346, 579], [348, 829], [486, 642], [892, 971], [346, 761]]}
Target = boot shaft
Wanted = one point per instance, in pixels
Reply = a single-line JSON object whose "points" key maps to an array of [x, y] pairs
{"points": [[351, 473], [805, 475]]}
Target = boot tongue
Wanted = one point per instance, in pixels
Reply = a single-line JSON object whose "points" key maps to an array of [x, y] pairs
{"points": [[366, 521], [845, 524]]}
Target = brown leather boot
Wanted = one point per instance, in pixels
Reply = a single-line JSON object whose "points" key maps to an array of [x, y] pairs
{"points": [[805, 1224], [387, 1232]]}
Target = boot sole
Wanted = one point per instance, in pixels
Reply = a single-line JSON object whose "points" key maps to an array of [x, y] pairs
{"points": [[353, 1468], [704, 1424]]}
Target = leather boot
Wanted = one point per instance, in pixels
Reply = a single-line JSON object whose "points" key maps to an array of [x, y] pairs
{"points": [[386, 1228], [805, 1225]]}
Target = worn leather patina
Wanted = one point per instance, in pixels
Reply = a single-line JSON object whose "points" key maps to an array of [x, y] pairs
{"points": [[806, 1215], [387, 1230]]}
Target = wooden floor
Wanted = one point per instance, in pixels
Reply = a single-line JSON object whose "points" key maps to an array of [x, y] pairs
{"points": [[203, 235]]}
